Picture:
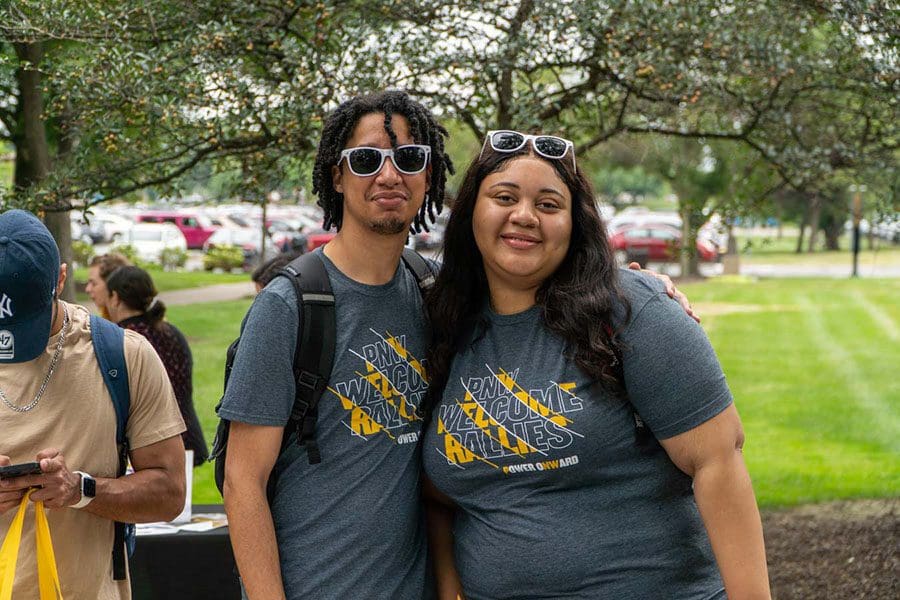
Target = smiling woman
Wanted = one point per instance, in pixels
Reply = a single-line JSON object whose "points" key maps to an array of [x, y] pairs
{"points": [[581, 430], [522, 224]]}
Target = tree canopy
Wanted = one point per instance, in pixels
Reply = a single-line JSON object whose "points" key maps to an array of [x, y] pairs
{"points": [[147, 91]]}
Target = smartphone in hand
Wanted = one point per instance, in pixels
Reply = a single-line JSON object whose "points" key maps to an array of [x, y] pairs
{"points": [[11, 471]]}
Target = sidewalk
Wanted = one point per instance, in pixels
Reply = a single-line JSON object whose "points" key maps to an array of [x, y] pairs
{"points": [[222, 292]]}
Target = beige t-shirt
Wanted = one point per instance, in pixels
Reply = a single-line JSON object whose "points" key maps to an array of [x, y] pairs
{"points": [[76, 416]]}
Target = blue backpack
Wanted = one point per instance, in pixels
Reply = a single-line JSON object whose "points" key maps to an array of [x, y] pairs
{"points": [[109, 347]]}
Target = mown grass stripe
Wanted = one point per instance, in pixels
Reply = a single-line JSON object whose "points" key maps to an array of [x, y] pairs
{"points": [[881, 318], [884, 422]]}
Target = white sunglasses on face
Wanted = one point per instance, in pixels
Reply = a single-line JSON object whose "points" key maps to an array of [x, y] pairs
{"points": [[366, 160], [548, 146]]}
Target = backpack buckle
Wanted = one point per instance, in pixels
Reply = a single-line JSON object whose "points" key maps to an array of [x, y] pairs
{"points": [[308, 380]]}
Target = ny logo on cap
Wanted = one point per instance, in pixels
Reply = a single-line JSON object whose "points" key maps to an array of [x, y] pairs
{"points": [[5, 307]]}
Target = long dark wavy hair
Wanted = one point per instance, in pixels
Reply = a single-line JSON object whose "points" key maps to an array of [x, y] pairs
{"points": [[339, 127], [577, 301]]}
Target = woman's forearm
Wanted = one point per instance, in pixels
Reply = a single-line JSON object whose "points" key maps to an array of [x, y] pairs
{"points": [[728, 507]]}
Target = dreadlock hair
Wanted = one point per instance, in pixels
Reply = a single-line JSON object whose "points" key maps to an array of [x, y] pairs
{"points": [[339, 127]]}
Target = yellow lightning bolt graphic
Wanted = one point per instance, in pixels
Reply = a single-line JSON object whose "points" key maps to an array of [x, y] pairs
{"points": [[360, 422], [528, 400], [383, 386], [403, 353], [483, 420], [455, 451]]}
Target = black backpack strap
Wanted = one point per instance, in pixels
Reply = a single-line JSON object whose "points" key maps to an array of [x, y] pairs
{"points": [[419, 267], [314, 356]]}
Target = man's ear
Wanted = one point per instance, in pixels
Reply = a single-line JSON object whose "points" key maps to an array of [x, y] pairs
{"points": [[61, 282], [336, 179]]}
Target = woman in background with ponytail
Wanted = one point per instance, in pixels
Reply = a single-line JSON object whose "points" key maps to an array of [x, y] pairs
{"points": [[133, 304]]}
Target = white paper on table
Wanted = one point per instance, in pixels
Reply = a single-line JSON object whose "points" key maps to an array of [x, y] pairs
{"points": [[199, 526], [143, 529], [185, 516]]}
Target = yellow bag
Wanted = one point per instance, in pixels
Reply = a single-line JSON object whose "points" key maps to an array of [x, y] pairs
{"points": [[48, 578]]}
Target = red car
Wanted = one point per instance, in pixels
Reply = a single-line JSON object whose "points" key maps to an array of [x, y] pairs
{"points": [[655, 243], [318, 238], [195, 227]]}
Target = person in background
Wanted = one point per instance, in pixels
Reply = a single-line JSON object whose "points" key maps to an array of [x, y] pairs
{"points": [[132, 302], [265, 272], [100, 268], [55, 409]]}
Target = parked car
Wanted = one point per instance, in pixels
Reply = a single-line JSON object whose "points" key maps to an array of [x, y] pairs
{"points": [[429, 240], [107, 228], [196, 227], [655, 242], [150, 239], [81, 231], [634, 216], [314, 239]]}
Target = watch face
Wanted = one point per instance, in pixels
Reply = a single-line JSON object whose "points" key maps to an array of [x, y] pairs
{"points": [[88, 486]]}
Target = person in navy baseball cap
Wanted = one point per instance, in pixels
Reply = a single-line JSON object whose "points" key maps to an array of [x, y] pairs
{"points": [[29, 277]]}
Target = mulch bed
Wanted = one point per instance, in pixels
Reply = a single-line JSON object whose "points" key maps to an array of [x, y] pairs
{"points": [[835, 551]]}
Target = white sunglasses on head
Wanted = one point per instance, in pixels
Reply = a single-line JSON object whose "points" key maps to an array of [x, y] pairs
{"points": [[548, 146]]}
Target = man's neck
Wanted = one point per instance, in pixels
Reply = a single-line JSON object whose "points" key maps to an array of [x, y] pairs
{"points": [[365, 256], [58, 318]]}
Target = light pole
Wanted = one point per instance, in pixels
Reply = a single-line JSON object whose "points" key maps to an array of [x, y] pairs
{"points": [[857, 216]]}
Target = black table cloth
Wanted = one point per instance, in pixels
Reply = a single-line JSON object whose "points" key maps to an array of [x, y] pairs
{"points": [[188, 565]]}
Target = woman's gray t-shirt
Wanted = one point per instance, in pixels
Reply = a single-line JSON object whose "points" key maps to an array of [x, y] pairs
{"points": [[350, 526], [556, 499]]}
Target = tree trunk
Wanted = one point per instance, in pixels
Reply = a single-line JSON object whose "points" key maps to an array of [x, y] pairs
{"points": [[803, 223], [687, 256], [732, 259], [832, 236], [33, 155], [33, 152], [814, 222]]}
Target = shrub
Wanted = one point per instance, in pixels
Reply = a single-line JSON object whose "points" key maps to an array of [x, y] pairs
{"points": [[172, 258], [223, 257], [130, 252], [82, 253]]}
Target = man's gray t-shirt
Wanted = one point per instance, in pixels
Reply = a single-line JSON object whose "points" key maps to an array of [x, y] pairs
{"points": [[350, 526], [556, 499]]}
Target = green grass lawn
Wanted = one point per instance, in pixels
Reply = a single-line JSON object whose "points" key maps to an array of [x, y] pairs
{"points": [[813, 366], [812, 363], [770, 250], [210, 328]]}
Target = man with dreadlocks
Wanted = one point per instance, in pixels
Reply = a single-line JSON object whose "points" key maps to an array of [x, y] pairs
{"points": [[350, 526]]}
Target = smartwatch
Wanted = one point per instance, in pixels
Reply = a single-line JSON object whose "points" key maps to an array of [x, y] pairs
{"points": [[88, 490]]}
